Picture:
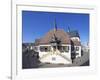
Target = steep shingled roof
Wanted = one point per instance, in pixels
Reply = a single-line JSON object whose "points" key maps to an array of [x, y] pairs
{"points": [[59, 33], [63, 36]]}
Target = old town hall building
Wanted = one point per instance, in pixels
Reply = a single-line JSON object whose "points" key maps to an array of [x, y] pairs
{"points": [[58, 46]]}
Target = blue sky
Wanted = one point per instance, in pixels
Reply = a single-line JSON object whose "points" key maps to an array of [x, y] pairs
{"points": [[37, 24]]}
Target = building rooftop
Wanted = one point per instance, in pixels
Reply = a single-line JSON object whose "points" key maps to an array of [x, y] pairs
{"points": [[74, 33], [59, 33]]}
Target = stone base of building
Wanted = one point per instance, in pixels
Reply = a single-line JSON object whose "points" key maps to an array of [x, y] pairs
{"points": [[56, 59]]}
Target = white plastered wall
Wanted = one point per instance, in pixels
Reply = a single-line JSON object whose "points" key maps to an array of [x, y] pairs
{"points": [[59, 58], [79, 51]]}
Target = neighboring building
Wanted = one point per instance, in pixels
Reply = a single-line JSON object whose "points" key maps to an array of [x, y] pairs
{"points": [[29, 46], [76, 43], [85, 47]]}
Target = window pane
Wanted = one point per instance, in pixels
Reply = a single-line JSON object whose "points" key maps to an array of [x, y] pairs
{"points": [[65, 48], [45, 48], [41, 48], [77, 48]]}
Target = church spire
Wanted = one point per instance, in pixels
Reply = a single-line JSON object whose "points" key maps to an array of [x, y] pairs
{"points": [[55, 25], [68, 29]]}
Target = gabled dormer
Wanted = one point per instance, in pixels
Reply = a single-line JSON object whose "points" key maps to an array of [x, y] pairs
{"points": [[74, 35]]}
